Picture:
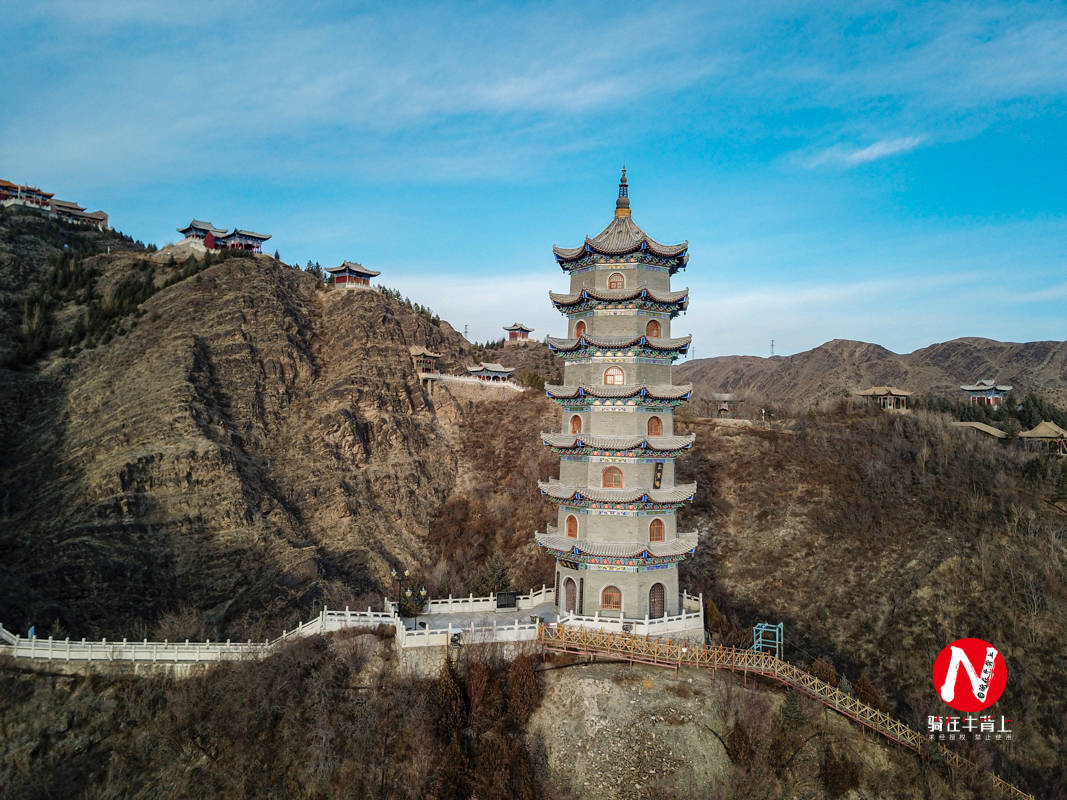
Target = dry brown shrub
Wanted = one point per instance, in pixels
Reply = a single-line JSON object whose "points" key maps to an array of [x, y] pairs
{"points": [[824, 671], [523, 690]]}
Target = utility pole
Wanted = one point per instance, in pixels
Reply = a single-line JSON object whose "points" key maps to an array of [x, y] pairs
{"points": [[772, 348], [466, 331]]}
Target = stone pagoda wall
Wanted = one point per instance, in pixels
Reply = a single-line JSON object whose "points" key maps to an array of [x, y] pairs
{"points": [[602, 526]]}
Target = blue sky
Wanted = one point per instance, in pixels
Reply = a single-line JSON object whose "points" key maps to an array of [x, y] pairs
{"points": [[885, 172]]}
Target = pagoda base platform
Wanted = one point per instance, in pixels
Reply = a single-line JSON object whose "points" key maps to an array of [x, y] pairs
{"points": [[688, 625]]}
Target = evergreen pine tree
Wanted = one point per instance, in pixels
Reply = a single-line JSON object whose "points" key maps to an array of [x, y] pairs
{"points": [[791, 711]]}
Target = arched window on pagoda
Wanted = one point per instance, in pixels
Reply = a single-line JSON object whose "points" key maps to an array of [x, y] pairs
{"points": [[616, 281], [613, 478], [614, 376], [576, 424], [611, 598], [579, 330], [572, 527], [655, 426], [655, 531], [652, 329]]}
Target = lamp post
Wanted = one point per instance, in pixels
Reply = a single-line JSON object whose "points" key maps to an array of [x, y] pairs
{"points": [[412, 597], [399, 577]]}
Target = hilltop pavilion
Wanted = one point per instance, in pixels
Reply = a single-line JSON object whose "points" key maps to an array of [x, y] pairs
{"points": [[518, 333], [351, 275], [616, 543]]}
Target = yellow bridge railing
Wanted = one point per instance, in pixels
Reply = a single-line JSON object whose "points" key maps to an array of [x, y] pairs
{"points": [[668, 653]]}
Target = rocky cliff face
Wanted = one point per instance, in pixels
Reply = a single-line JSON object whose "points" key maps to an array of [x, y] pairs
{"points": [[833, 370], [252, 443]]}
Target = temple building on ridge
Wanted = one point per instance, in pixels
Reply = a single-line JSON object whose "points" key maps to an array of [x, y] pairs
{"points": [[351, 275], [986, 392], [490, 371], [13, 194], [617, 543], [217, 238], [518, 333], [204, 231]]}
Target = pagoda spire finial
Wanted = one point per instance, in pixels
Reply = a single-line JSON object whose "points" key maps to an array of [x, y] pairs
{"points": [[622, 205]]}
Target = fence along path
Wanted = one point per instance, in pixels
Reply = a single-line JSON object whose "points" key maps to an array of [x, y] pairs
{"points": [[564, 639], [182, 652]]}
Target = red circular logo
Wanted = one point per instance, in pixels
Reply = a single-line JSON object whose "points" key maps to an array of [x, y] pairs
{"points": [[970, 675]]}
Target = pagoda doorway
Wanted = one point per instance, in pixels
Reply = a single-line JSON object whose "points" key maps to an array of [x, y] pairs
{"points": [[570, 596], [655, 601]]}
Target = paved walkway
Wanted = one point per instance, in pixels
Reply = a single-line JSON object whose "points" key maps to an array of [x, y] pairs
{"points": [[483, 619]]}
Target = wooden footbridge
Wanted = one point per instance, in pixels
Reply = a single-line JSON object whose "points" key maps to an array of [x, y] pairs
{"points": [[675, 654]]}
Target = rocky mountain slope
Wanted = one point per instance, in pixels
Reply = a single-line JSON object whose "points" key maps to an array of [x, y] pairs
{"points": [[246, 443], [831, 371]]}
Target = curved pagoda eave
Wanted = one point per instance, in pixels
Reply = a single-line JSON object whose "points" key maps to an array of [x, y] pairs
{"points": [[645, 299], [622, 446], [584, 496], [676, 547], [621, 237], [585, 346], [623, 391]]}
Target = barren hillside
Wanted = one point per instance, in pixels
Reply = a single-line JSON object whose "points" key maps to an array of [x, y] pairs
{"points": [[831, 371]]}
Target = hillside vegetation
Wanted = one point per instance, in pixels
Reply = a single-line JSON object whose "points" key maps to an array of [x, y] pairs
{"points": [[880, 538]]}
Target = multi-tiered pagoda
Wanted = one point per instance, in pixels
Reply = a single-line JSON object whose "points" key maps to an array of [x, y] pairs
{"points": [[617, 544]]}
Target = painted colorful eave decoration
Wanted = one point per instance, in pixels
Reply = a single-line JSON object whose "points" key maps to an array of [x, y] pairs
{"points": [[645, 453], [591, 259], [588, 353], [643, 504], [589, 304], [645, 402], [645, 559], [643, 449]]}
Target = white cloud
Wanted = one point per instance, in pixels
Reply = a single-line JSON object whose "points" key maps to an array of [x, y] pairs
{"points": [[840, 155]]}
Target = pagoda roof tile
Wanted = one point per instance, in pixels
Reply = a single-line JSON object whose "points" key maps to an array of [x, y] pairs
{"points": [[665, 391], [616, 342], [249, 234], [882, 391], [204, 226], [491, 367], [562, 491], [419, 350], [621, 236], [618, 295], [517, 326], [353, 266], [683, 543], [622, 442], [661, 443], [986, 384]]}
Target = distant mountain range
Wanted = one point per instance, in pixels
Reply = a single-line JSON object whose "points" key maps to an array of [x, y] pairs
{"points": [[822, 375]]}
